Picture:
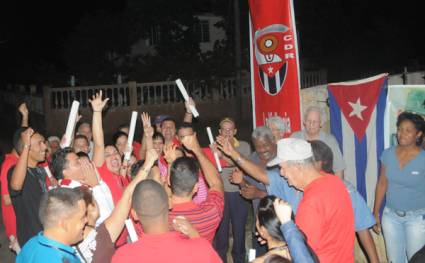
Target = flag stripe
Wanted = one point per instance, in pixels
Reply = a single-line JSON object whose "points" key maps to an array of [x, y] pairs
{"points": [[277, 82], [361, 160], [272, 85], [382, 102], [371, 160], [335, 115], [266, 81], [349, 151]]}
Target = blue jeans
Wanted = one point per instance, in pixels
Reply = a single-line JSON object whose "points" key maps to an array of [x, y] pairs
{"points": [[404, 233]]}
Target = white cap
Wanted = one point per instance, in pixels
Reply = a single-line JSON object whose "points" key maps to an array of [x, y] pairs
{"points": [[291, 149]]}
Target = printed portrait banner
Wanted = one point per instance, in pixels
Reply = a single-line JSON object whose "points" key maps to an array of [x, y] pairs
{"points": [[274, 63], [402, 98]]}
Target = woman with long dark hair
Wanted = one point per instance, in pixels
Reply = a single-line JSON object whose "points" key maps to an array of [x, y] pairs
{"points": [[276, 228]]}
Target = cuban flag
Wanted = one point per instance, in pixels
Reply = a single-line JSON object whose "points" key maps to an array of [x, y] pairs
{"points": [[357, 121]]}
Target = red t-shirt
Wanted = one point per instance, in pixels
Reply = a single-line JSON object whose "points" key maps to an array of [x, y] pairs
{"points": [[136, 149], [115, 184], [210, 156], [166, 248], [9, 217], [325, 215], [113, 181], [205, 217]]}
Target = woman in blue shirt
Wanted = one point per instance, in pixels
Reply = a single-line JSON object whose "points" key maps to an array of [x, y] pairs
{"points": [[402, 183]]}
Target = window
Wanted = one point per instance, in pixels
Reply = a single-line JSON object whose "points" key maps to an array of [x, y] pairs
{"points": [[203, 31], [154, 36]]}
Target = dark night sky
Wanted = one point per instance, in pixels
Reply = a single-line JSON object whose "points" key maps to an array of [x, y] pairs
{"points": [[350, 38]]}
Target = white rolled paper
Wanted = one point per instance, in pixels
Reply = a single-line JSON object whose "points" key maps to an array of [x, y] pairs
{"points": [[251, 255], [217, 160], [72, 120], [131, 231], [131, 134], [49, 174], [186, 97]]}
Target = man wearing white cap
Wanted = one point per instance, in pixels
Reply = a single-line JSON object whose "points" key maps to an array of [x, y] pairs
{"points": [[325, 213]]}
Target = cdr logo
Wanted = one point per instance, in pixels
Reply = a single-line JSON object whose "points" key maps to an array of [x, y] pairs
{"points": [[273, 48]]}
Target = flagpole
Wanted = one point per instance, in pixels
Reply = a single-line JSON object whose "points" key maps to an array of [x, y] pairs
{"points": [[251, 57], [291, 4]]}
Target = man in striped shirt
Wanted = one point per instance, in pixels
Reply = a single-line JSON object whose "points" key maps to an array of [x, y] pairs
{"points": [[205, 217]]}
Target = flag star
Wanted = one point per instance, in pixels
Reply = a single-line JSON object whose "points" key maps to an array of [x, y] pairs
{"points": [[357, 109], [270, 69]]}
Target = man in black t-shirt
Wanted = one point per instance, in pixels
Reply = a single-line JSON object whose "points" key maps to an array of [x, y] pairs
{"points": [[27, 183]]}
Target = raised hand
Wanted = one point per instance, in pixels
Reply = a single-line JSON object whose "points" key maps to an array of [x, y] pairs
{"points": [[182, 225], [88, 171], [63, 141], [191, 143], [170, 153], [26, 137], [23, 109], [148, 130], [283, 210], [225, 146], [146, 119], [188, 104], [97, 103]]}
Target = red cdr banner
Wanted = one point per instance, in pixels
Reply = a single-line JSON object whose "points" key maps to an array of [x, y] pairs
{"points": [[274, 63]]}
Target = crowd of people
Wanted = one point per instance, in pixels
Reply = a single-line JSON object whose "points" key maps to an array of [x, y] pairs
{"points": [[168, 202]]}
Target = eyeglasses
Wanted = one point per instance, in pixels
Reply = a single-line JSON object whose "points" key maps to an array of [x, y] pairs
{"points": [[312, 123]]}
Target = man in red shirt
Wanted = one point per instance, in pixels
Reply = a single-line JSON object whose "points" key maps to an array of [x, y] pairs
{"points": [[206, 216], [9, 217], [158, 244], [325, 213]]}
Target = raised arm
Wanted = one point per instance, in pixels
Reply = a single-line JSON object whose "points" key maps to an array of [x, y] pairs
{"points": [[99, 144], [23, 109], [20, 171], [253, 170], [147, 142], [210, 172], [115, 222]]}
